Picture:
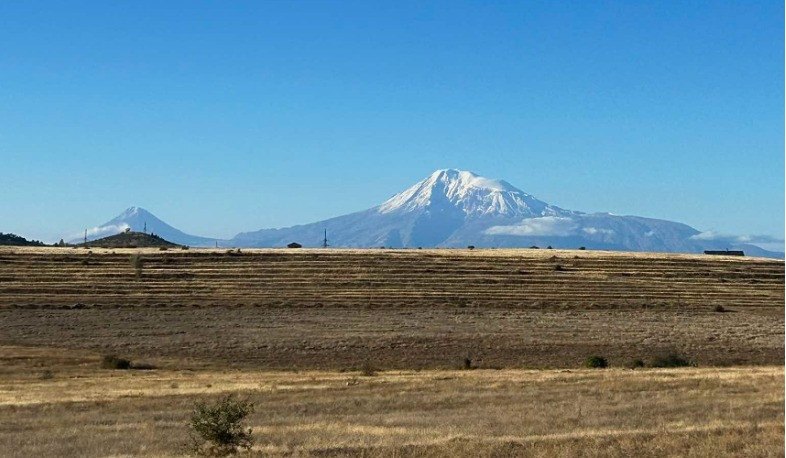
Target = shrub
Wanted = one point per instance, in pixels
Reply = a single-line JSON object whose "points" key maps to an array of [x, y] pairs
{"points": [[467, 364], [163, 248], [470, 247], [719, 309], [582, 248], [671, 360], [184, 247], [217, 429], [559, 268], [367, 369], [294, 245], [636, 364], [549, 247], [596, 362], [113, 362], [534, 247]]}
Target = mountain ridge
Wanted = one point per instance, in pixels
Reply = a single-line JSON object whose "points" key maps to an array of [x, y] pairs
{"points": [[137, 219], [453, 208]]}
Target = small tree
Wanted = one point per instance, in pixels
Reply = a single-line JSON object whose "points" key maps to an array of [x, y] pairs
{"points": [[218, 429]]}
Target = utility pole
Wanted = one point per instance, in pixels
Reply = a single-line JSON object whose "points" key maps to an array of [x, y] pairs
{"points": [[325, 241], [145, 229], [85, 236]]}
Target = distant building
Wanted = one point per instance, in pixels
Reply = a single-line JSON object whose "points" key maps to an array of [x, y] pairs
{"points": [[725, 252]]}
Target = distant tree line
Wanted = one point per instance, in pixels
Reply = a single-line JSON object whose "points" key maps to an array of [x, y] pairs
{"points": [[16, 240]]}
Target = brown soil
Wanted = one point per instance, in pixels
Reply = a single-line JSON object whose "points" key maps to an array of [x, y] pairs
{"points": [[412, 338], [516, 279]]}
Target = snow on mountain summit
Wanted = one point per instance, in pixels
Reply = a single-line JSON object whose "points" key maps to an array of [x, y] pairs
{"points": [[474, 195], [453, 208]]}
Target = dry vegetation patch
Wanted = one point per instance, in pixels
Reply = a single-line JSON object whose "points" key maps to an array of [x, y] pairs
{"points": [[356, 352], [615, 412]]}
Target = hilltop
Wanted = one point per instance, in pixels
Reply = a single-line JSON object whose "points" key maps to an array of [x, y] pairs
{"points": [[130, 239], [139, 220]]}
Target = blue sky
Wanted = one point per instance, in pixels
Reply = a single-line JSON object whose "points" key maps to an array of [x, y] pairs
{"points": [[223, 117]]}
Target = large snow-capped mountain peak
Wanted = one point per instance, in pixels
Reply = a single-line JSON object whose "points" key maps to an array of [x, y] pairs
{"points": [[470, 193], [453, 208]]}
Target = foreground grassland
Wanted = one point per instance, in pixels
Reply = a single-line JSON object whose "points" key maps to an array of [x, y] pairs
{"points": [[290, 329], [79, 410]]}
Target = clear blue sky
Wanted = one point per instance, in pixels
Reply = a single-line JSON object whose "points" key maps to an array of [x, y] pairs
{"points": [[222, 117]]}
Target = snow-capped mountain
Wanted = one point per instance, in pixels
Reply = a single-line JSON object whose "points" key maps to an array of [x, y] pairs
{"points": [[138, 219], [475, 196], [454, 208]]}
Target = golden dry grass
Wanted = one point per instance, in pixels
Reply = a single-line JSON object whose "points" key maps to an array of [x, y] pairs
{"points": [[85, 411]]}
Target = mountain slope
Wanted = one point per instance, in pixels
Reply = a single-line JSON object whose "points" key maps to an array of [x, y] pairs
{"points": [[140, 220], [453, 209], [131, 239], [426, 214]]}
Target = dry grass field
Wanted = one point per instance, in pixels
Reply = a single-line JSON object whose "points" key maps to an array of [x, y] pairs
{"points": [[514, 279], [80, 410], [289, 329]]}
